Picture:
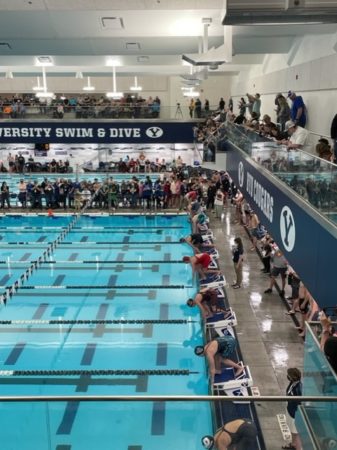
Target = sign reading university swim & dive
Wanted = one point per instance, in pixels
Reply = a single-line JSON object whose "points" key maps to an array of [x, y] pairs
{"points": [[96, 132], [309, 246]]}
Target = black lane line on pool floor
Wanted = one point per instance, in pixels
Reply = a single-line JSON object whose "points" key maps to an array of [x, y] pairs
{"points": [[135, 447], [40, 311], [161, 359], [73, 257], [15, 354], [88, 354], [63, 447], [25, 257], [158, 419], [164, 311], [68, 419]]}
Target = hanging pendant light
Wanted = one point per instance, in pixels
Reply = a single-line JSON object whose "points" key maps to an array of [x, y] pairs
{"points": [[38, 87], [114, 94], [136, 87], [44, 93], [88, 87]]}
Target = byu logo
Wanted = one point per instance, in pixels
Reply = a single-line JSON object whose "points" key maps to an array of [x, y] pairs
{"points": [[241, 174], [154, 132], [287, 228]]}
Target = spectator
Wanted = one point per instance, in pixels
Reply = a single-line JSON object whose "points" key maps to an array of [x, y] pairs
{"points": [[217, 352], [240, 433], [237, 252], [191, 107], [298, 136], [280, 266], [5, 195], [255, 102], [294, 389], [198, 108], [298, 113], [221, 105], [283, 112], [206, 107], [333, 133], [242, 107], [323, 149], [219, 203]]}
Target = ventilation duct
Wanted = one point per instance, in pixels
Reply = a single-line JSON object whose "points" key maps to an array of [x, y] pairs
{"points": [[280, 12]]}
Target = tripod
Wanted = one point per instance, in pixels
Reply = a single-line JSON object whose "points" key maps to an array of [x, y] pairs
{"points": [[179, 112]]}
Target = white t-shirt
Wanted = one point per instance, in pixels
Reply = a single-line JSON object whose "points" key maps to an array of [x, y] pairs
{"points": [[299, 136]]}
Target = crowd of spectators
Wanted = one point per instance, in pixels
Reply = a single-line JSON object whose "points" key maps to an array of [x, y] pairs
{"points": [[19, 164], [84, 106]]}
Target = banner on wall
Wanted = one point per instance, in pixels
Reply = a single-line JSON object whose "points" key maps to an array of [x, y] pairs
{"points": [[309, 247], [96, 132]]}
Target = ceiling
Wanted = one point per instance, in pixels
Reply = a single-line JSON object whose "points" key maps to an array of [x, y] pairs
{"points": [[144, 37]]}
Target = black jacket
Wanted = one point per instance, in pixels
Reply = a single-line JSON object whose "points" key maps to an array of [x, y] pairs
{"points": [[334, 128]]}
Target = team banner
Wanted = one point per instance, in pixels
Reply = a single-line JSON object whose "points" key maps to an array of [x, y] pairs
{"points": [[308, 244], [96, 132]]}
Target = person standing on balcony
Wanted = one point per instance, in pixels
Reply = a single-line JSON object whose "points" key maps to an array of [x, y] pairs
{"points": [[255, 102], [298, 112], [334, 136]]}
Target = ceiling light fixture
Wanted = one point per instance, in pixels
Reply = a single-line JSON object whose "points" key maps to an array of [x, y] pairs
{"points": [[136, 87], [88, 87], [114, 94], [44, 93], [38, 87], [191, 93], [44, 61]]}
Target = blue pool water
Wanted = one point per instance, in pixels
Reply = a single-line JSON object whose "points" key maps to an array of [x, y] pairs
{"points": [[110, 269]]}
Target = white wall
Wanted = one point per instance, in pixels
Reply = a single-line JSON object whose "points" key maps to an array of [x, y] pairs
{"points": [[309, 69]]}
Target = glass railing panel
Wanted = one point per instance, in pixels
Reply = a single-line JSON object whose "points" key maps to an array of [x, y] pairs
{"points": [[101, 112], [319, 380], [313, 178]]}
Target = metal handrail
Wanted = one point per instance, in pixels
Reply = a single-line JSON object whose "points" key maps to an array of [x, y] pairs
{"points": [[166, 398], [319, 134]]}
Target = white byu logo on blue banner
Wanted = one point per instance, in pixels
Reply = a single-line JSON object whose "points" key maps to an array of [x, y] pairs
{"points": [[287, 228]]}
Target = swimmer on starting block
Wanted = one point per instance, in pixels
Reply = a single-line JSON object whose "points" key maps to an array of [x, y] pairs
{"points": [[208, 302], [196, 241], [200, 263], [238, 434], [217, 352]]}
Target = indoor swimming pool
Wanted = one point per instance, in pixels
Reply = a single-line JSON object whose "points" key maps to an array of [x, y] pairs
{"points": [[99, 309]]}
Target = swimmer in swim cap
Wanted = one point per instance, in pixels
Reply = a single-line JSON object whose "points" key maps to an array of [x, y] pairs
{"points": [[238, 434]]}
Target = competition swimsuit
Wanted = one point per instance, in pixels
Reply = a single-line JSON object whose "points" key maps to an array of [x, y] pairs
{"points": [[245, 430]]}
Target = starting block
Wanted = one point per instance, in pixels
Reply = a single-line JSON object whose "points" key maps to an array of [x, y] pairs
{"points": [[207, 234], [239, 392], [221, 321], [213, 281], [226, 380], [213, 252]]}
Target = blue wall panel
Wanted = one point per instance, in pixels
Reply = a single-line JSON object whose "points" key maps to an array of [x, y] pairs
{"points": [[310, 247]]}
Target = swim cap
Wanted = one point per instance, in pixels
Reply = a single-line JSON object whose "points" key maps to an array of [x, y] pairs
{"points": [[199, 351], [190, 302], [201, 218], [207, 441], [186, 259], [182, 240]]}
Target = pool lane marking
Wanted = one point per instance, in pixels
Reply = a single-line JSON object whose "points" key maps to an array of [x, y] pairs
{"points": [[112, 280], [100, 329], [15, 354], [84, 239], [73, 257], [165, 279], [120, 257], [63, 447], [135, 447], [41, 239], [164, 311], [109, 295], [68, 419], [161, 359], [58, 280], [167, 257], [40, 311], [88, 354], [4, 280], [158, 419], [25, 257]]}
